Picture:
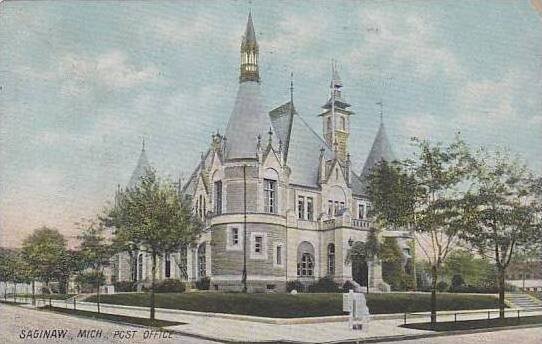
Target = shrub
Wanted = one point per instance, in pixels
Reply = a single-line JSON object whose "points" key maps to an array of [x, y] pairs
{"points": [[324, 285], [347, 286], [457, 283], [124, 286], [291, 285], [442, 286], [170, 286], [203, 283]]}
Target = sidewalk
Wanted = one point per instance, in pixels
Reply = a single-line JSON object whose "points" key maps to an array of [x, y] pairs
{"points": [[233, 329]]}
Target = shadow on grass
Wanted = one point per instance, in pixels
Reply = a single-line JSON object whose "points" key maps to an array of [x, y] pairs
{"points": [[7, 302], [475, 324], [113, 317]]}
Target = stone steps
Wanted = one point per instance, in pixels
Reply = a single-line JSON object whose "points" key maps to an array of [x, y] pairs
{"points": [[523, 301]]}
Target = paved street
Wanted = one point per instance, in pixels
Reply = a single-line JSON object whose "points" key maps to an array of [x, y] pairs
{"points": [[15, 320], [523, 336]]}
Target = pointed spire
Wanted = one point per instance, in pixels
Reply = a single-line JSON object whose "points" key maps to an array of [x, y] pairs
{"points": [[250, 35], [249, 54], [335, 78], [141, 167], [381, 149]]}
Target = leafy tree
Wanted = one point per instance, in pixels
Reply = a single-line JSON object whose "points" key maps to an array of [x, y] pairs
{"points": [[502, 211], [152, 217], [94, 252], [45, 251], [423, 194], [7, 267], [362, 252], [393, 271], [473, 269]]}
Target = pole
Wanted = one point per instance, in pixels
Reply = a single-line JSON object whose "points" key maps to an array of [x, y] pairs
{"points": [[244, 229]]}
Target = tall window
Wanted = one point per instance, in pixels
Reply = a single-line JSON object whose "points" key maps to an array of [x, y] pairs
{"points": [[202, 268], [218, 197], [301, 207], [306, 267], [270, 195], [330, 207], [361, 211], [331, 259], [258, 244], [140, 267], [134, 268], [279, 255], [310, 209], [167, 267], [329, 124], [200, 205], [336, 208], [343, 124], [235, 236], [183, 262]]}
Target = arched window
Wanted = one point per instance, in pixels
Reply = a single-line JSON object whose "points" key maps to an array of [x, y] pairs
{"points": [[140, 267], [305, 259], [202, 268], [331, 259], [167, 267]]}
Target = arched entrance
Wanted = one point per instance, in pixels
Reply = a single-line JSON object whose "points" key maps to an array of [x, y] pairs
{"points": [[360, 272]]}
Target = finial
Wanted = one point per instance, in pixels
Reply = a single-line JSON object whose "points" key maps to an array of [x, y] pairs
{"points": [[292, 88], [270, 132], [381, 104]]}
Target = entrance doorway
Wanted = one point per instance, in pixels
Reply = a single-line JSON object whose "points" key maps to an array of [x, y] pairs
{"points": [[360, 272]]}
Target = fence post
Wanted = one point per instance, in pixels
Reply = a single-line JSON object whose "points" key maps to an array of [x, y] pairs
{"points": [[404, 319], [518, 315], [50, 302], [455, 317], [74, 304]]}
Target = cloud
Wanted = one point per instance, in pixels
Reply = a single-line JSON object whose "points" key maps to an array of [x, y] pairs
{"points": [[405, 40], [295, 32], [111, 70]]}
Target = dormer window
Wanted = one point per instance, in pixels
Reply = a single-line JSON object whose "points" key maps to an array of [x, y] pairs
{"points": [[270, 195]]}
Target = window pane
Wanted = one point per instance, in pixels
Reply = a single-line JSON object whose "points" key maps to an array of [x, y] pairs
{"points": [[310, 210], [301, 207]]}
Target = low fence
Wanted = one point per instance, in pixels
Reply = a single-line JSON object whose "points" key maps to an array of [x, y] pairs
{"points": [[455, 316]]}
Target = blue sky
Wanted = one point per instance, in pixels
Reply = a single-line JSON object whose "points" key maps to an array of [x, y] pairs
{"points": [[83, 82]]}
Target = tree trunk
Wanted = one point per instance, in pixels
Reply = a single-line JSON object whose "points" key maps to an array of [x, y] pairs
{"points": [[501, 293], [434, 275], [98, 295], [5, 290], [14, 291], [33, 293], [153, 279]]}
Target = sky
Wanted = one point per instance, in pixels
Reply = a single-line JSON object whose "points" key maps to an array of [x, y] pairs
{"points": [[82, 83]]}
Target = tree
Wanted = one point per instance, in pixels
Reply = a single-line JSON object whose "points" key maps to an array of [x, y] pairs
{"points": [[7, 267], [502, 211], [393, 271], [152, 217], [94, 252], [423, 194], [474, 270], [362, 252], [45, 251]]}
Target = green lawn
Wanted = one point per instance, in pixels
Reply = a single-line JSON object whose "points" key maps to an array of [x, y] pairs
{"points": [[113, 317], [475, 324], [300, 305]]}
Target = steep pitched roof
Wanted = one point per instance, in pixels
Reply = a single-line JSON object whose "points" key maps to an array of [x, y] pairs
{"points": [[381, 150], [141, 168], [247, 121], [250, 35], [302, 145]]}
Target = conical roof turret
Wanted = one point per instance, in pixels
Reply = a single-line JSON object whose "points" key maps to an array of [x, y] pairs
{"points": [[141, 168], [381, 150]]}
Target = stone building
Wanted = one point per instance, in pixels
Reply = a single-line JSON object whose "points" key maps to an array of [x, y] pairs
{"points": [[279, 202]]}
